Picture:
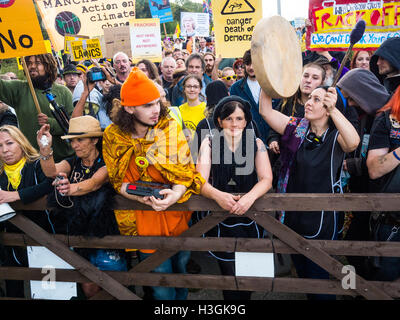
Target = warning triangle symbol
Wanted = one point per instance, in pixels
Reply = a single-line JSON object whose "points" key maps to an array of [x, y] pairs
{"points": [[237, 7]]}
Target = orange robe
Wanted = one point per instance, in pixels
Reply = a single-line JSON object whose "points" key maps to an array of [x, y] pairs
{"points": [[166, 149]]}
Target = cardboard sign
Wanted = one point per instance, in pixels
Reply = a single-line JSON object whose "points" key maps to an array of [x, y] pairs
{"points": [[234, 22], [86, 49], [332, 22], [117, 40], [20, 33], [83, 17], [146, 39]]}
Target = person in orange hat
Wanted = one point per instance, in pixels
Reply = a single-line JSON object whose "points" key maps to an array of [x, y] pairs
{"points": [[145, 144]]}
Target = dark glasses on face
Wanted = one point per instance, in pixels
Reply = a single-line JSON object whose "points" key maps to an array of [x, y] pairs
{"points": [[239, 66], [234, 77]]}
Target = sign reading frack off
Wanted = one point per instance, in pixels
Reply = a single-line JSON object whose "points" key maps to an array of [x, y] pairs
{"points": [[20, 33], [234, 22]]}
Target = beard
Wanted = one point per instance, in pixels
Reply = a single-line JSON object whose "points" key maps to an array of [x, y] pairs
{"points": [[41, 82], [126, 121]]}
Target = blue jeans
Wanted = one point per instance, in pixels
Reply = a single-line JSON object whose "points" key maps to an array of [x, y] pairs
{"points": [[389, 267], [175, 264]]}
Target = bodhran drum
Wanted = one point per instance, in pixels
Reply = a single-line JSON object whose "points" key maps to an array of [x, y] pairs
{"points": [[276, 57]]}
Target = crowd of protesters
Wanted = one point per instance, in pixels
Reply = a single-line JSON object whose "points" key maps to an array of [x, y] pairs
{"points": [[195, 123]]}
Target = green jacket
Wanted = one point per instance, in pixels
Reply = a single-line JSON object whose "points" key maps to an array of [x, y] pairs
{"points": [[16, 93]]}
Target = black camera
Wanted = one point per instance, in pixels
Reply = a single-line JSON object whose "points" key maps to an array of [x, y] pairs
{"points": [[95, 74]]}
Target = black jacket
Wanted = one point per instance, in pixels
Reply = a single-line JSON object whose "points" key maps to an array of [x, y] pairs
{"points": [[390, 51]]}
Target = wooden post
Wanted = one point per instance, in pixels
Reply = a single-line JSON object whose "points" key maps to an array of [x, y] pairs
{"points": [[28, 77]]}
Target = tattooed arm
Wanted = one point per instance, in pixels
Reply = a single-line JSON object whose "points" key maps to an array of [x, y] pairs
{"points": [[381, 162]]}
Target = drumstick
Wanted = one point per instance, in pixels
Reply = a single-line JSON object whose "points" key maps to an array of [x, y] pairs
{"points": [[355, 36]]}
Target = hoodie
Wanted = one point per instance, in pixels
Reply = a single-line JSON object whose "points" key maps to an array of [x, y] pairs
{"points": [[365, 89], [390, 51]]}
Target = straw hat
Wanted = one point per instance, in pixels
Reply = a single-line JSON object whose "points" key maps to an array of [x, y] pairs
{"points": [[83, 127]]}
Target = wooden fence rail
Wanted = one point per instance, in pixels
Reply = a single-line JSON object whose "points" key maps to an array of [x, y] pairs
{"points": [[284, 241]]}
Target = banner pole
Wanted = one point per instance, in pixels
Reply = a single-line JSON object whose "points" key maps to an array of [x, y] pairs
{"points": [[28, 77]]}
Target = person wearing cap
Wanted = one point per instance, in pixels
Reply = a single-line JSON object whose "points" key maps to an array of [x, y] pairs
{"points": [[71, 76], [385, 64], [83, 192], [146, 143], [235, 140]]}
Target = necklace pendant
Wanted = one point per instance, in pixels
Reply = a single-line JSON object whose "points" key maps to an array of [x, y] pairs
{"points": [[87, 170]]}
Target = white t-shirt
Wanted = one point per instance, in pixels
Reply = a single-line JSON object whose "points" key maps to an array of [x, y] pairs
{"points": [[255, 89]]}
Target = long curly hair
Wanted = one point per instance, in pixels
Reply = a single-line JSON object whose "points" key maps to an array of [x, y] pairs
{"points": [[49, 63]]}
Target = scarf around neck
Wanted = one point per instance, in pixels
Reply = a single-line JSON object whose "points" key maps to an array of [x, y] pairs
{"points": [[13, 172]]}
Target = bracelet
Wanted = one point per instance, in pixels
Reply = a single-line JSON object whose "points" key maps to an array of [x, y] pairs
{"points": [[395, 155], [42, 157]]}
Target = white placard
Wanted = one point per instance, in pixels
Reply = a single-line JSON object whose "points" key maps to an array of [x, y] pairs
{"points": [[49, 288], [145, 39], [254, 264], [195, 24]]}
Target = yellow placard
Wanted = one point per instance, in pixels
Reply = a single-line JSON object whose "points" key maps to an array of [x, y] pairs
{"points": [[47, 45], [67, 41], [20, 33], [86, 49], [234, 22]]}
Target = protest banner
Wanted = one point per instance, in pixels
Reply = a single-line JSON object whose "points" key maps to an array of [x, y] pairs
{"points": [[67, 41], [20, 33], [161, 9], [195, 24], [83, 17], [117, 40], [86, 49], [145, 37], [332, 22], [234, 22]]}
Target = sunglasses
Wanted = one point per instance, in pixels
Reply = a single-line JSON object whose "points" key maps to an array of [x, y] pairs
{"points": [[239, 66], [234, 77]]}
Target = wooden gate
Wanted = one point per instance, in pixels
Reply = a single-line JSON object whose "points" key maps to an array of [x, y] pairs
{"points": [[284, 241]]}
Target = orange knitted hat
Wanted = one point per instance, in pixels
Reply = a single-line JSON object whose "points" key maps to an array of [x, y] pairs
{"points": [[138, 89]]}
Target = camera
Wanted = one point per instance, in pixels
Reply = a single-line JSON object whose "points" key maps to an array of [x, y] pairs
{"points": [[95, 74]]}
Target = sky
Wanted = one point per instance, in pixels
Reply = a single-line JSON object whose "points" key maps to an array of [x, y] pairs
{"points": [[290, 9]]}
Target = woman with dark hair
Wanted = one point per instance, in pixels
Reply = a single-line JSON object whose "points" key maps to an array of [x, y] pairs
{"points": [[312, 154], [192, 110], [235, 140], [150, 70], [83, 195]]}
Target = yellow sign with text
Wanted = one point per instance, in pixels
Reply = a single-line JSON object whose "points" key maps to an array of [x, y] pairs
{"points": [[47, 44], [86, 49], [20, 33], [234, 22], [68, 39]]}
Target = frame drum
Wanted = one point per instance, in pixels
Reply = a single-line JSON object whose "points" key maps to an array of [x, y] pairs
{"points": [[276, 57]]}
